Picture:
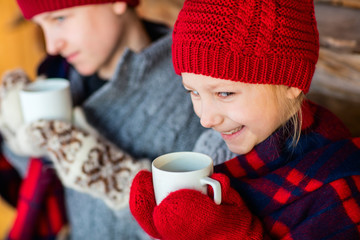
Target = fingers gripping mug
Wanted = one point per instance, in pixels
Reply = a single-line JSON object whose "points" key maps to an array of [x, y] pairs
{"points": [[183, 170]]}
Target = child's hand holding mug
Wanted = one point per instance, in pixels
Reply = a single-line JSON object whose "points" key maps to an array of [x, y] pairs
{"points": [[185, 213], [37, 119], [23, 101]]}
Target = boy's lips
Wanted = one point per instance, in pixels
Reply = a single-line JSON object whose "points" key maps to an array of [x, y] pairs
{"points": [[70, 58]]}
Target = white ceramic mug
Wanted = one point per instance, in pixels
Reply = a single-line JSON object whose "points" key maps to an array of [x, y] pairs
{"points": [[183, 170], [46, 99]]}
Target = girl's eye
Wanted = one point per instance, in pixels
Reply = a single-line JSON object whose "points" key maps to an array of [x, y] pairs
{"points": [[193, 93], [225, 94]]}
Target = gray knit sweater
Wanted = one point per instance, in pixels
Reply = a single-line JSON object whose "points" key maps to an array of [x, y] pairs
{"points": [[145, 111]]}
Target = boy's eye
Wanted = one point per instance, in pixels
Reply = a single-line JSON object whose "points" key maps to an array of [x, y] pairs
{"points": [[59, 18], [225, 94]]}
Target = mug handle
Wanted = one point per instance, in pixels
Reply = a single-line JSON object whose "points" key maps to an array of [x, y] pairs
{"points": [[215, 186]]}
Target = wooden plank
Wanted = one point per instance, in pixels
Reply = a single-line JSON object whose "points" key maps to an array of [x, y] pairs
{"points": [[339, 27], [337, 74], [164, 11], [346, 3], [336, 86]]}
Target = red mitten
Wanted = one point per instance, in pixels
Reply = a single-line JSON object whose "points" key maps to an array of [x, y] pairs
{"points": [[142, 202], [189, 214]]}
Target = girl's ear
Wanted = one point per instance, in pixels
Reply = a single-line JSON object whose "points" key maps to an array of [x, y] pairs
{"points": [[119, 7], [292, 92]]}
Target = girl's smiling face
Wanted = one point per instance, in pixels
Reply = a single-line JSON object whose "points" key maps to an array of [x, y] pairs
{"points": [[245, 114]]}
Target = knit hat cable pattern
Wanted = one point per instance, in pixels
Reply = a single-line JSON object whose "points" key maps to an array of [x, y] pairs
{"points": [[31, 8], [252, 41]]}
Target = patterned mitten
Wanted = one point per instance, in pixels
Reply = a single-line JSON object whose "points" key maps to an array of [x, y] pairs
{"points": [[11, 119], [86, 162], [189, 214]]}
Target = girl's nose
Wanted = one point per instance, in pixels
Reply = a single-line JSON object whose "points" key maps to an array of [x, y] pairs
{"points": [[210, 116]]}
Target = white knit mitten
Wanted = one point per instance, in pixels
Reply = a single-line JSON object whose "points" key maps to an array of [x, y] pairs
{"points": [[86, 162], [11, 120]]}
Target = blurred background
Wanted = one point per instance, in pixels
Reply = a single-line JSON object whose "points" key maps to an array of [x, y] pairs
{"points": [[336, 83]]}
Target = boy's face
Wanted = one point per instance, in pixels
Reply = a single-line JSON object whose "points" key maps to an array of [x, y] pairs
{"points": [[87, 36], [244, 114]]}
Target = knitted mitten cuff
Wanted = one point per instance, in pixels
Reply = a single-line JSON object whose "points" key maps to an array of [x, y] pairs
{"points": [[142, 202]]}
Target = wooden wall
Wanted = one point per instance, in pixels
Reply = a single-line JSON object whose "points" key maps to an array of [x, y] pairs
{"points": [[19, 40], [336, 83]]}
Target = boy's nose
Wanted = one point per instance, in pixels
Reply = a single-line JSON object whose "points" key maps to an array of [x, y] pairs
{"points": [[54, 45]]}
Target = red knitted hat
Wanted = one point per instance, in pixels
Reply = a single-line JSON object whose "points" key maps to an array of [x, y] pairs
{"points": [[251, 41], [31, 8]]}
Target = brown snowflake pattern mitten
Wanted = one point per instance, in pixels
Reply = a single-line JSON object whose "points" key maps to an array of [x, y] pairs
{"points": [[88, 163]]}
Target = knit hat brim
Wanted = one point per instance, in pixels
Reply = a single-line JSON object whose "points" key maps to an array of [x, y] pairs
{"points": [[218, 62], [30, 8]]}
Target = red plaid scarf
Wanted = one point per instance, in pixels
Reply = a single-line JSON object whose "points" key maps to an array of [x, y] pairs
{"points": [[310, 192]]}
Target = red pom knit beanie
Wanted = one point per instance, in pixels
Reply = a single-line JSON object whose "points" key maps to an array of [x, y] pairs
{"points": [[31, 8], [251, 41]]}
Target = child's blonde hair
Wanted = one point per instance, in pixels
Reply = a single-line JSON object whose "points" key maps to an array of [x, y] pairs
{"points": [[290, 111]]}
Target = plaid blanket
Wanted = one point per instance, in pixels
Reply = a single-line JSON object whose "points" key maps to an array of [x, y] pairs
{"points": [[40, 200], [10, 182], [308, 192]]}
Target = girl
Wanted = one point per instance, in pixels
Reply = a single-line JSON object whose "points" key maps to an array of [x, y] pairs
{"points": [[247, 66]]}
